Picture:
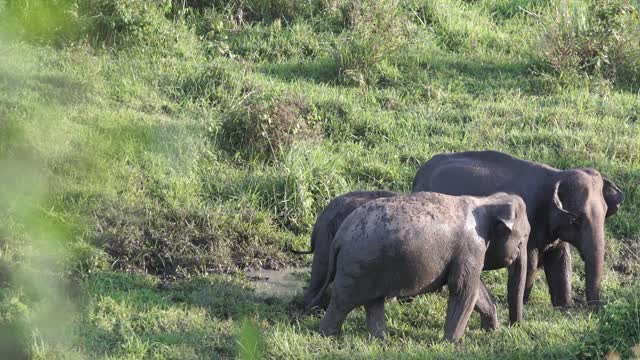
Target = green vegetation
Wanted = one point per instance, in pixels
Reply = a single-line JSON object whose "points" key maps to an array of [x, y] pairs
{"points": [[151, 151]]}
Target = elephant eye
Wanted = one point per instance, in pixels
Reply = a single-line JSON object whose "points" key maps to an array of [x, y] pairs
{"points": [[577, 221]]}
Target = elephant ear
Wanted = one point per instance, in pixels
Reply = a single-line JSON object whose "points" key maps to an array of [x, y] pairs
{"points": [[613, 196], [504, 220], [559, 215]]}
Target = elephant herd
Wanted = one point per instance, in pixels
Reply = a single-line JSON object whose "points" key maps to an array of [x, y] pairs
{"points": [[468, 212]]}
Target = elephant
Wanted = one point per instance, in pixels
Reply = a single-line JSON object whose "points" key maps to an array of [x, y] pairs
{"points": [[563, 206], [325, 229], [410, 244]]}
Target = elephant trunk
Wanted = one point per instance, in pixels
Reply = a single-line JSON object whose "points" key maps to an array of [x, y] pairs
{"points": [[516, 285], [593, 255]]}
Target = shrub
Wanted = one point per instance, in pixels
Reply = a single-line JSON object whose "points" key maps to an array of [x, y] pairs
{"points": [[247, 11], [508, 9], [618, 330], [138, 24], [58, 20], [602, 43], [376, 33], [218, 82], [278, 9], [265, 126], [46, 21], [14, 330], [297, 189]]}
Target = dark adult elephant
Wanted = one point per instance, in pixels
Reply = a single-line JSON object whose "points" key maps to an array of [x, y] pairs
{"points": [[564, 207]]}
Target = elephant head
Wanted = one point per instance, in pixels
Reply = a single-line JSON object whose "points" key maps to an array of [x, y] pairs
{"points": [[509, 233], [581, 200]]}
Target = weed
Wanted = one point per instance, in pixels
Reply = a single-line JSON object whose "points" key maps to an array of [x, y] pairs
{"points": [[43, 21], [600, 43], [618, 330], [458, 27], [248, 11], [376, 33], [266, 126]]}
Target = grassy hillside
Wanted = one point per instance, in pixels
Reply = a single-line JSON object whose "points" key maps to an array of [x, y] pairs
{"points": [[151, 151]]}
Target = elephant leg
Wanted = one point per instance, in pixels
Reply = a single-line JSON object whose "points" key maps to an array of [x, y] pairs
{"points": [[462, 299], [486, 307], [318, 275], [515, 285], [557, 268], [331, 323], [376, 322], [532, 268]]}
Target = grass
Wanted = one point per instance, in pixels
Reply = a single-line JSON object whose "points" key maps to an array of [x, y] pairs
{"points": [[151, 153]]}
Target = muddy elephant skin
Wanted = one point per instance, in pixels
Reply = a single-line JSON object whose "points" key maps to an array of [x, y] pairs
{"points": [[411, 244]]}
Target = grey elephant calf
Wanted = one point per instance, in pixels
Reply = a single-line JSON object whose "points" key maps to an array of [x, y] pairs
{"points": [[330, 220], [411, 244], [324, 231]]}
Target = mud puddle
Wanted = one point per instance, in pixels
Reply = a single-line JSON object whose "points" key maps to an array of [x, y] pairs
{"points": [[284, 283]]}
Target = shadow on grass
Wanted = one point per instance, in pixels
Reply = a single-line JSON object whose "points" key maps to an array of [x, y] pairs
{"points": [[475, 76], [169, 139], [12, 345], [554, 352], [199, 316], [58, 89], [320, 72], [204, 317], [482, 77]]}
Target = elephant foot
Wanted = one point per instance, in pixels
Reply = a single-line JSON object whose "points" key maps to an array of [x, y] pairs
{"points": [[486, 307], [562, 305], [329, 328], [406, 299], [595, 305], [331, 323], [489, 323], [330, 332]]}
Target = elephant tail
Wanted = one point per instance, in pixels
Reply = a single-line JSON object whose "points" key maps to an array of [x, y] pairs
{"points": [[298, 252], [314, 235], [331, 273]]}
